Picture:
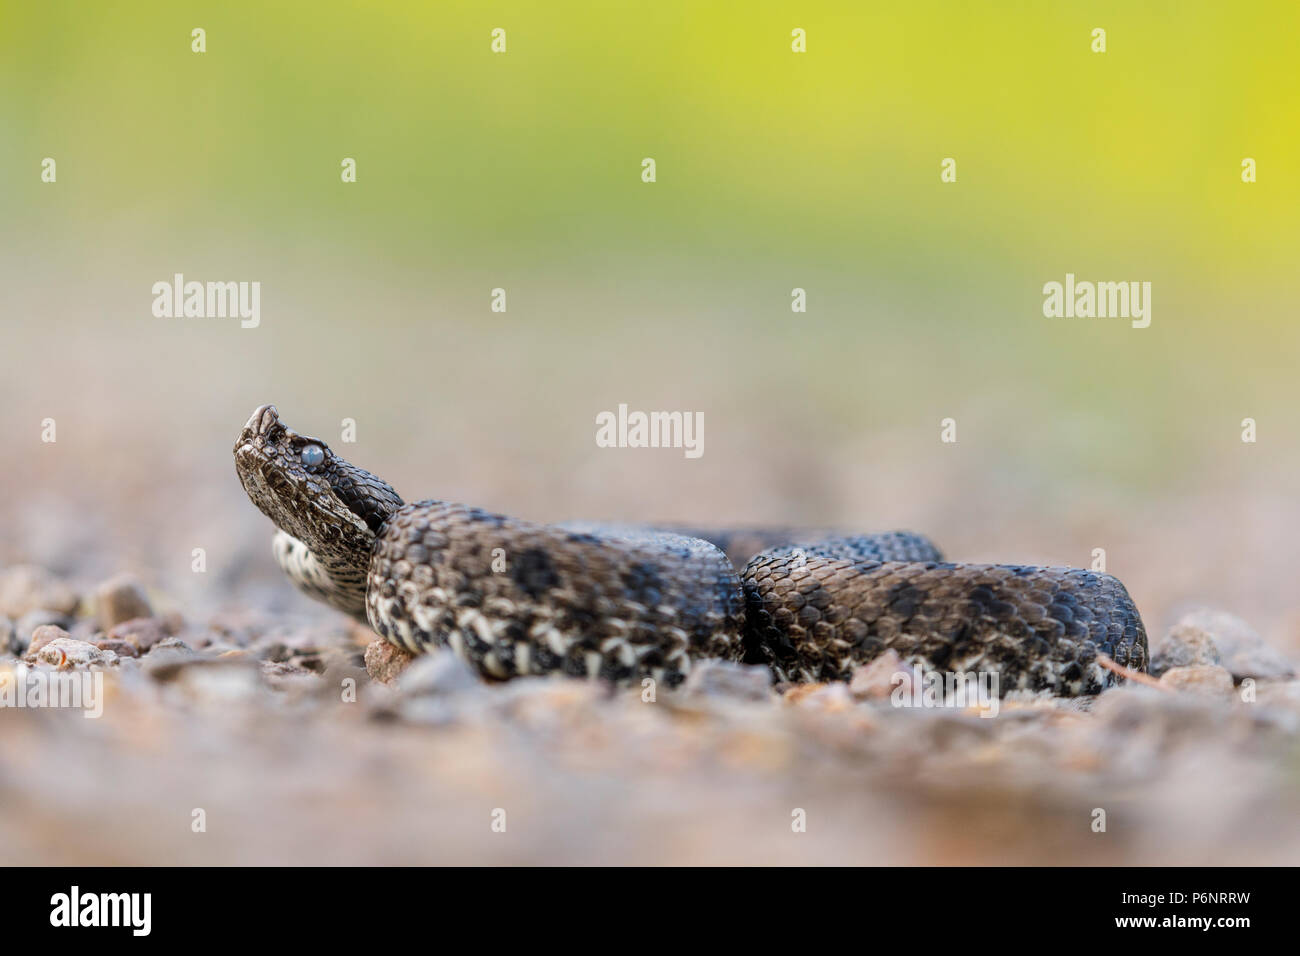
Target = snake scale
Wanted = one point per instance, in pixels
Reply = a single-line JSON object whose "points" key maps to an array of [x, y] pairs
{"points": [[623, 603]]}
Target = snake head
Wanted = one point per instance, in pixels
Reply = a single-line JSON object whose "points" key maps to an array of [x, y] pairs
{"points": [[324, 501]]}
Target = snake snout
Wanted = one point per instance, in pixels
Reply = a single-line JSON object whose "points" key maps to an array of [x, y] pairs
{"points": [[263, 419]]}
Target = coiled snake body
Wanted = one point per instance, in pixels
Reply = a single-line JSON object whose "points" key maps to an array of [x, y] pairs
{"points": [[623, 603]]}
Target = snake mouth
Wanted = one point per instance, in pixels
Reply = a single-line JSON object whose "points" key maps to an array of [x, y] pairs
{"points": [[276, 481]]}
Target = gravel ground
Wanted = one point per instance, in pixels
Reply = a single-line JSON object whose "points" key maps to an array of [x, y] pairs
{"points": [[226, 690], [263, 738]]}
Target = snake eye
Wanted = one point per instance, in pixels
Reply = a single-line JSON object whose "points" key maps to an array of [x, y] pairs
{"points": [[312, 455]]}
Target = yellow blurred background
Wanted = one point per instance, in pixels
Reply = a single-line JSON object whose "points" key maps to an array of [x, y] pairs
{"points": [[775, 170]]}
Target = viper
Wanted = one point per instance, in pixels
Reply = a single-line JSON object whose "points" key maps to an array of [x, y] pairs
{"points": [[623, 603]]}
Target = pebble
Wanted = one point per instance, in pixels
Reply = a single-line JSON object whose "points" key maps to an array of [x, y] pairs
{"points": [[117, 645], [1209, 680], [141, 632], [169, 644], [384, 661], [26, 588], [65, 653], [44, 635], [119, 599], [1240, 648], [165, 660], [728, 679], [1183, 646]]}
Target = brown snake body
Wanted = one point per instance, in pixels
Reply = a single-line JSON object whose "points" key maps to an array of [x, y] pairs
{"points": [[515, 598]]}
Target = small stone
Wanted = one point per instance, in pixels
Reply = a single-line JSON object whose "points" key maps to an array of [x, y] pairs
{"points": [[1208, 680], [142, 632], [727, 679], [1183, 646], [166, 658], [171, 644], [878, 679], [44, 635], [436, 674], [27, 588], [1241, 649], [65, 653], [384, 661], [118, 646], [120, 599]]}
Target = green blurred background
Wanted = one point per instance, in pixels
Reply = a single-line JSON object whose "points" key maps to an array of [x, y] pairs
{"points": [[775, 170]]}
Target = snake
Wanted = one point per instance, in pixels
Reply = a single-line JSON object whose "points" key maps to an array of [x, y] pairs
{"points": [[627, 603]]}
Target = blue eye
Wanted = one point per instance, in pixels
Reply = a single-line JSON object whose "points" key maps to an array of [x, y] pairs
{"points": [[312, 455]]}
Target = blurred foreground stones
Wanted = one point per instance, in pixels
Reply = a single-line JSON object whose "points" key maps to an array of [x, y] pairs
{"points": [[299, 744], [1213, 637]]}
